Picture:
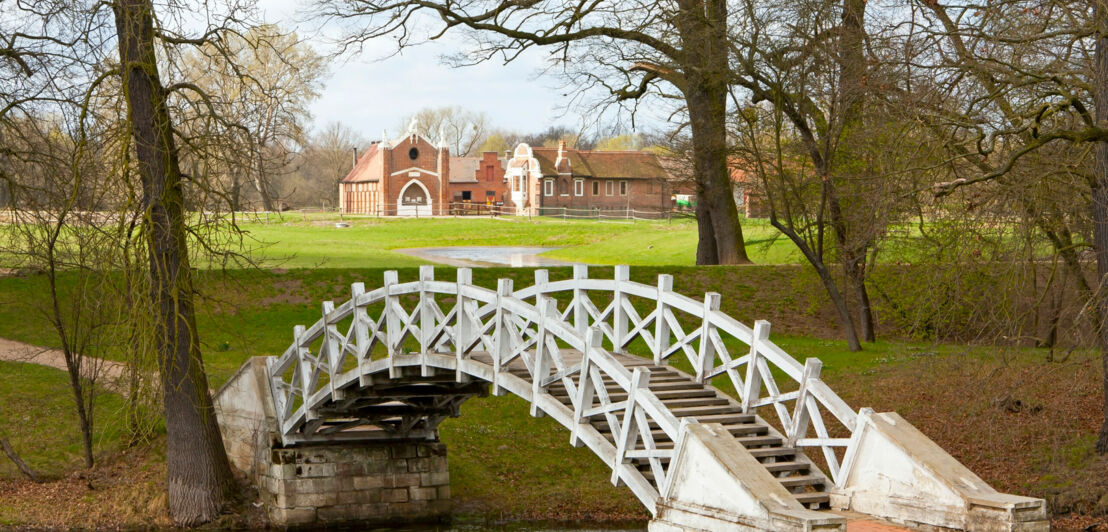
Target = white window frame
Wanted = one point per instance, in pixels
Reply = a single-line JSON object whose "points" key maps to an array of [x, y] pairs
{"points": [[624, 188], [578, 187], [609, 188], [547, 187]]}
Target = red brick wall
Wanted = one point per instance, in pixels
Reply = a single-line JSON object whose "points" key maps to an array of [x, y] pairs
{"points": [[490, 178], [427, 160], [641, 194]]}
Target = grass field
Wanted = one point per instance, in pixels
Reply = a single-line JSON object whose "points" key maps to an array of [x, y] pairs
{"points": [[961, 396], [315, 242]]}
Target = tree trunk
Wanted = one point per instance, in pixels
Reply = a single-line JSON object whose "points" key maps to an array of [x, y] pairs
{"points": [[199, 474], [19, 463], [846, 321], [1100, 205], [854, 239], [703, 28]]}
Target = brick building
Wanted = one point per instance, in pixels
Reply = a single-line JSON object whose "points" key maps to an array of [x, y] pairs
{"points": [[414, 177], [546, 180]]}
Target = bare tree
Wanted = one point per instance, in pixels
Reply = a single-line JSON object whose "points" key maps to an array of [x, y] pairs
{"points": [[629, 50], [460, 130], [200, 480]]}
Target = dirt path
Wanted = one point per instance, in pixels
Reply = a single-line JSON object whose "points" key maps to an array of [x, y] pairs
{"points": [[110, 373]]}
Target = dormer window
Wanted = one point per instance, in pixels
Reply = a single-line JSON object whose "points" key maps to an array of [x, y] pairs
{"points": [[413, 153]]}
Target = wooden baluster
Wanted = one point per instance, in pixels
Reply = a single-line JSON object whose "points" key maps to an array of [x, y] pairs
{"points": [[639, 379], [542, 277], [580, 312], [463, 328], [426, 318], [801, 416], [753, 380], [585, 390], [706, 355], [330, 350], [392, 323], [502, 347], [661, 326], [547, 308], [619, 313]]}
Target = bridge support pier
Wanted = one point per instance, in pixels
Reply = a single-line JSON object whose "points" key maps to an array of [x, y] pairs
{"points": [[381, 483], [333, 483]]}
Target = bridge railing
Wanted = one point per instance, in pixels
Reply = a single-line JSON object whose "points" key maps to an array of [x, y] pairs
{"points": [[561, 338], [674, 326]]}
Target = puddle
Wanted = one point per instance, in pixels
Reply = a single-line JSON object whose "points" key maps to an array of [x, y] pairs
{"points": [[485, 256]]}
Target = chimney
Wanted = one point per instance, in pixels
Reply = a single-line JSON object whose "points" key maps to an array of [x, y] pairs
{"points": [[355, 160]]}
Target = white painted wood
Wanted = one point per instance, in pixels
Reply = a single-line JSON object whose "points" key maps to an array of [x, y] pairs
{"points": [[706, 353], [661, 327], [619, 313], [799, 425], [527, 324], [753, 369]]}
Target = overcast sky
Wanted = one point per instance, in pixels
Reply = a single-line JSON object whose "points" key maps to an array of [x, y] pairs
{"points": [[368, 93]]}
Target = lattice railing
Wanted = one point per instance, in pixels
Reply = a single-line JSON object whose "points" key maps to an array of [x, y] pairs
{"points": [[562, 336]]}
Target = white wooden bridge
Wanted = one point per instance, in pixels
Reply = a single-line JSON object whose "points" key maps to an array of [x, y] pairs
{"points": [[630, 370]]}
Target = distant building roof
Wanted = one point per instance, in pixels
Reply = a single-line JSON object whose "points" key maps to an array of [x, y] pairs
{"points": [[368, 167], [603, 164]]}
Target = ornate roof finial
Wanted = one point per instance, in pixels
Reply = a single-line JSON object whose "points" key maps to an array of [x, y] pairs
{"points": [[442, 136], [413, 126]]}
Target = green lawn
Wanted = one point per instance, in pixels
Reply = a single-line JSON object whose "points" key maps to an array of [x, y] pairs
{"points": [[40, 421], [315, 242]]}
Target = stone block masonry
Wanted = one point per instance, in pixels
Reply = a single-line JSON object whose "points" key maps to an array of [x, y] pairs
{"points": [[371, 484]]}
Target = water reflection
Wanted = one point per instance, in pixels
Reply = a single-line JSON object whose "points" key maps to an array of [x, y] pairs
{"points": [[515, 256]]}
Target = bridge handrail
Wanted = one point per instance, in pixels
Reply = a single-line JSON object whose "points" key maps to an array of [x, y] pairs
{"points": [[714, 320], [503, 323]]}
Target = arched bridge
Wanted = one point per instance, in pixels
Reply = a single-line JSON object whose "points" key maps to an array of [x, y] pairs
{"points": [[630, 370]]}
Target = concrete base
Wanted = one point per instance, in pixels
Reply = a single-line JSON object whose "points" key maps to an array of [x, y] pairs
{"points": [[374, 484], [895, 472], [716, 484], [367, 484]]}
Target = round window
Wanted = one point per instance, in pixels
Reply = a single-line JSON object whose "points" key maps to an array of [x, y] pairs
{"points": [[413, 154]]}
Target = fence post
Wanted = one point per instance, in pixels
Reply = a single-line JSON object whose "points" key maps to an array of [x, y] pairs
{"points": [[501, 346], [801, 416], [619, 313], [753, 374], [426, 318], [462, 327], [563, 214], [580, 313], [392, 323], [707, 351], [547, 309], [661, 326], [330, 352], [304, 371]]}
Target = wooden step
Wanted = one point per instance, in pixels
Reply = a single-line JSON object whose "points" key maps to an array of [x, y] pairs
{"points": [[695, 401], [780, 467], [813, 500], [800, 481], [705, 411], [764, 452], [759, 441]]}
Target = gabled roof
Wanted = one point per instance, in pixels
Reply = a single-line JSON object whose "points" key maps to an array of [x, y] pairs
{"points": [[368, 167], [603, 164]]}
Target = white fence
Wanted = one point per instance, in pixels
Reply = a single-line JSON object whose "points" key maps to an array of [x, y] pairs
{"points": [[532, 326]]}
